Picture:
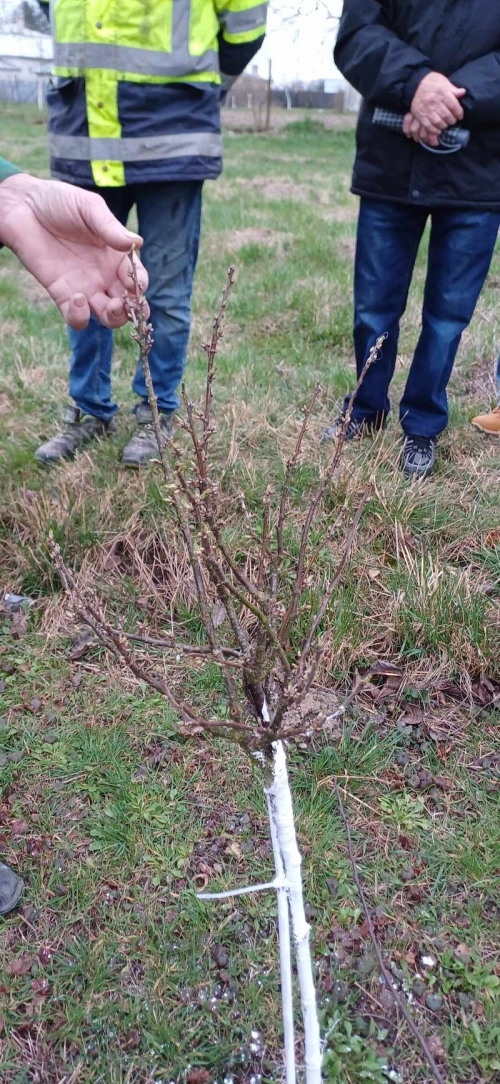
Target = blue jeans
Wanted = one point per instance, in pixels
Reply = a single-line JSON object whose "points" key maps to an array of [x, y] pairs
{"points": [[460, 249], [169, 218]]}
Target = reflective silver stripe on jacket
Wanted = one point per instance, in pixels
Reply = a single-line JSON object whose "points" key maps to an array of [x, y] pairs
{"points": [[242, 22], [131, 149], [126, 58]]}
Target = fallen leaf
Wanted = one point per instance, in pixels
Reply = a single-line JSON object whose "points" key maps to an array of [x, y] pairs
{"points": [[133, 1038], [21, 966], [234, 848], [384, 668], [81, 644], [19, 624], [462, 953], [412, 715], [40, 986], [198, 1076], [76, 680], [435, 1046], [18, 827]]}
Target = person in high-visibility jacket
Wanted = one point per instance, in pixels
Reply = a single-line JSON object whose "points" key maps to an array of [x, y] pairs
{"points": [[134, 113]]}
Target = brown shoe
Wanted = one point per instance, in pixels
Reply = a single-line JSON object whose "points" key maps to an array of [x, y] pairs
{"points": [[488, 423], [78, 430]]}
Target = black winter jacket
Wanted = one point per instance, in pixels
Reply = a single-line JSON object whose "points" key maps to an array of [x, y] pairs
{"points": [[384, 48]]}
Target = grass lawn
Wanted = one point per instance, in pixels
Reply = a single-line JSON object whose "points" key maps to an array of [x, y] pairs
{"points": [[112, 971]]}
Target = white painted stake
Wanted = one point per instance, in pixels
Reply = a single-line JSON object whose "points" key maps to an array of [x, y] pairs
{"points": [[281, 815], [285, 953], [288, 886]]}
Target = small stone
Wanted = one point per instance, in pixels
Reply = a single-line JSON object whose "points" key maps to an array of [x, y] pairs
{"points": [[332, 885], [434, 1002], [418, 987], [402, 759], [60, 891], [428, 962], [310, 912], [16, 756], [245, 818]]}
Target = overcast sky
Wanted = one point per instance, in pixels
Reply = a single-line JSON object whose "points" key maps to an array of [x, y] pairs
{"points": [[300, 47], [299, 41]]}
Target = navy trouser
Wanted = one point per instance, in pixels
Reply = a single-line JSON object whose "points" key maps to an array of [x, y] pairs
{"points": [[460, 249], [169, 216]]}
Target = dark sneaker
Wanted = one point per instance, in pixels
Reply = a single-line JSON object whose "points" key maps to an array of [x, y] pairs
{"points": [[11, 888], [142, 446], [418, 457], [356, 429], [78, 430]]}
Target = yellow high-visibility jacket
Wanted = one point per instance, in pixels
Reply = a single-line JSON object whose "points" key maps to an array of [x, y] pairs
{"points": [[138, 82]]}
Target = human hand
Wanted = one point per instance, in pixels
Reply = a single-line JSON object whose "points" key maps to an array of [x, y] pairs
{"points": [[436, 105], [69, 240], [415, 130]]}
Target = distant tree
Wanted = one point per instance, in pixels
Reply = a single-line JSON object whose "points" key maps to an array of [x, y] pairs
{"points": [[28, 14], [291, 10], [33, 17]]}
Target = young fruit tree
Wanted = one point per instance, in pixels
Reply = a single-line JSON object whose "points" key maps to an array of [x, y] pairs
{"points": [[255, 607]]}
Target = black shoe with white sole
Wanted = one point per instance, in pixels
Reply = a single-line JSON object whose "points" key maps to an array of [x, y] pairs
{"points": [[418, 457]]}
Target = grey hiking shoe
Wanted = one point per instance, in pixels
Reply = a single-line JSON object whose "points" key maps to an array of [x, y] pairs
{"points": [[11, 888], [143, 446], [418, 457], [78, 429], [356, 429]]}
